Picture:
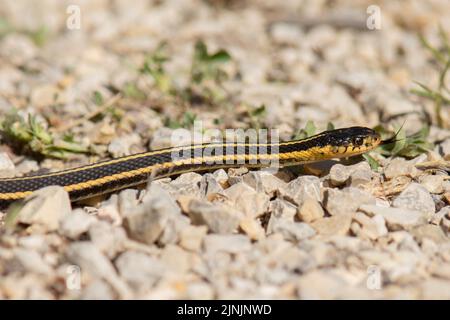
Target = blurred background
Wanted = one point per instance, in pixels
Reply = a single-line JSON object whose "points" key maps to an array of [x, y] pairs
{"points": [[109, 77], [87, 80]]}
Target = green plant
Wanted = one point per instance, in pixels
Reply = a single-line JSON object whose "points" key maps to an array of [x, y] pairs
{"points": [[97, 98], [257, 116], [440, 95], [32, 135], [206, 66], [131, 90], [306, 132], [207, 74], [38, 36], [402, 145], [187, 121], [154, 67], [310, 130]]}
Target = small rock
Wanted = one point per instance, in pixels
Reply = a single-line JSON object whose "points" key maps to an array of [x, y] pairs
{"points": [[191, 237], [400, 167], [46, 207], [286, 33], [31, 261], [252, 228], [209, 185], [109, 210], [354, 175], [304, 187], [162, 138], [433, 289], [235, 243], [396, 218], [370, 228], [222, 177], [27, 166], [293, 231], [97, 290], [36, 242], [235, 175], [176, 259], [334, 225], [433, 183], [108, 238], [6, 166], [339, 174], [415, 197], [247, 200], [158, 218], [263, 181], [139, 270], [122, 145], [445, 223], [217, 217], [25, 287], [127, 201], [310, 210], [282, 209], [199, 291], [188, 178], [89, 258], [18, 49], [346, 201], [429, 231], [186, 184], [75, 224], [437, 217], [320, 284], [361, 175]]}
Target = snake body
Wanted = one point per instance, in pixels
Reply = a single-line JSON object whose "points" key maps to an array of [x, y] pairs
{"points": [[111, 175]]}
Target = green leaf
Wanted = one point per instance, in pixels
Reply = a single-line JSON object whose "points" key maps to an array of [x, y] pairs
{"points": [[33, 136], [200, 51], [98, 98], [39, 36], [220, 56], [12, 214], [132, 91], [259, 112], [330, 126], [188, 119], [405, 146], [308, 131], [435, 52], [373, 163]]}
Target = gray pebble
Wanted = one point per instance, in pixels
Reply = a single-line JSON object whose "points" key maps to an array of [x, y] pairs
{"points": [[75, 224], [217, 217], [139, 270], [415, 197], [235, 243], [346, 201], [46, 207], [293, 231], [396, 218]]}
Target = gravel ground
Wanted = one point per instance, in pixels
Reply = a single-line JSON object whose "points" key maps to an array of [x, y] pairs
{"points": [[337, 230]]}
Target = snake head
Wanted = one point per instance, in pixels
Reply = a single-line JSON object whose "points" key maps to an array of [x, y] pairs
{"points": [[351, 141]]}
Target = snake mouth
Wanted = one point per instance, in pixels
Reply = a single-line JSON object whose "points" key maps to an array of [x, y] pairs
{"points": [[391, 140]]}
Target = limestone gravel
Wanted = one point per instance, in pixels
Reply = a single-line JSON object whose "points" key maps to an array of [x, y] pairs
{"points": [[330, 230]]}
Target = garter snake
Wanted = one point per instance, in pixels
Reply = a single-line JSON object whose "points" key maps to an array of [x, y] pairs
{"points": [[111, 175]]}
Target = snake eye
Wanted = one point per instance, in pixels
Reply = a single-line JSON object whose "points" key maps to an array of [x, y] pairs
{"points": [[358, 141]]}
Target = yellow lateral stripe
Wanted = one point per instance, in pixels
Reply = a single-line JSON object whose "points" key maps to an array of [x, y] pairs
{"points": [[146, 170], [152, 153]]}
